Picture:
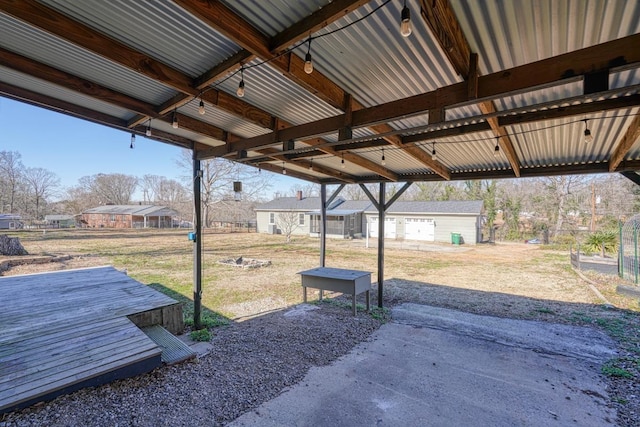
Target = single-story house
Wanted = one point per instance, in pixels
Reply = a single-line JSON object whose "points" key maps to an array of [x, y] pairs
{"points": [[60, 221], [425, 221], [129, 216], [10, 222]]}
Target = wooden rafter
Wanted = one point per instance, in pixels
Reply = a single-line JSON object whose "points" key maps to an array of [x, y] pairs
{"points": [[68, 108], [275, 155], [52, 21], [69, 81], [224, 20], [446, 29], [492, 86], [314, 22], [66, 28], [628, 140]]}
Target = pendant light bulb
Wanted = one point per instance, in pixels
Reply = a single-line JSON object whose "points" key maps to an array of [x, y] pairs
{"points": [[308, 65], [434, 155], [342, 165], [284, 169], [405, 23], [496, 151], [240, 91], [174, 121], [588, 138], [201, 110], [311, 164], [384, 161], [133, 141], [148, 131]]}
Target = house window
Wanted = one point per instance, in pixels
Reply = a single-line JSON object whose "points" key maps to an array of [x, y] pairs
{"points": [[113, 218], [301, 219], [272, 218]]}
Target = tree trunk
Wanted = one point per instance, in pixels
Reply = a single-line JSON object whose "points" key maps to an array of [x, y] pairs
{"points": [[11, 246]]}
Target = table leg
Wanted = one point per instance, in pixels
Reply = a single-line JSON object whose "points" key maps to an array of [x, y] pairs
{"points": [[304, 294], [320, 294], [368, 300], [353, 303]]}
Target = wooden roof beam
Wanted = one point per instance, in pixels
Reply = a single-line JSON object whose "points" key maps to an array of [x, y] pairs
{"points": [[54, 22], [504, 141], [74, 83], [444, 25], [70, 109], [628, 140], [227, 22], [274, 154], [551, 71], [314, 22]]}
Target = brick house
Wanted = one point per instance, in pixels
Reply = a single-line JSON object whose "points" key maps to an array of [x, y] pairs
{"points": [[128, 216]]}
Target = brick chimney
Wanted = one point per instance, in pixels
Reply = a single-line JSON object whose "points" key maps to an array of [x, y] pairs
{"points": [[299, 195]]}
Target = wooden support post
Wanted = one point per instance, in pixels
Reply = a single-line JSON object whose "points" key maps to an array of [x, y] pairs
{"points": [[381, 215], [197, 244], [323, 223]]}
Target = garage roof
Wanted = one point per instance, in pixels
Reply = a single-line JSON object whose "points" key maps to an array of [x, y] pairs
{"points": [[478, 90]]}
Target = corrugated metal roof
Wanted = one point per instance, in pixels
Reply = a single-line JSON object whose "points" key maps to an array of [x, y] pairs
{"points": [[193, 48], [141, 210], [292, 203], [512, 33], [60, 54], [278, 95], [375, 48], [43, 87], [273, 16]]}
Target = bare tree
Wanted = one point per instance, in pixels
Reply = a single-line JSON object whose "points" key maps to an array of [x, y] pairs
{"points": [[43, 183], [115, 188], [11, 173], [218, 176], [288, 222]]}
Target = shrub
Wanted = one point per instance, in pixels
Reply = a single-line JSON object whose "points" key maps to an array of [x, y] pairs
{"points": [[605, 242]]}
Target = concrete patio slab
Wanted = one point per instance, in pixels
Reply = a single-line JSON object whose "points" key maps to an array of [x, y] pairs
{"points": [[439, 367]]}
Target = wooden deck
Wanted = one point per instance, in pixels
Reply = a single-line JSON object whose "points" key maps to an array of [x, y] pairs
{"points": [[70, 329]]}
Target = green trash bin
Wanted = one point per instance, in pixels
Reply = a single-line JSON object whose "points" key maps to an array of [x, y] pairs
{"points": [[455, 238]]}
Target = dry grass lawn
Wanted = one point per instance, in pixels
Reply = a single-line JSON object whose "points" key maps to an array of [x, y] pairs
{"points": [[507, 280]]}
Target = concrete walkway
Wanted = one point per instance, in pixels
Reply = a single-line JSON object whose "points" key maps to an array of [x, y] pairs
{"points": [[439, 367]]}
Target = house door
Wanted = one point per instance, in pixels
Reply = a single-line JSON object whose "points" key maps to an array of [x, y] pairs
{"points": [[389, 227], [419, 229]]}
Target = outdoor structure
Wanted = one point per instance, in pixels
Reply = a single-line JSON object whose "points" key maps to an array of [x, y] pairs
{"points": [[66, 330], [430, 221], [344, 91], [10, 222], [60, 221], [425, 221], [629, 250], [129, 216]]}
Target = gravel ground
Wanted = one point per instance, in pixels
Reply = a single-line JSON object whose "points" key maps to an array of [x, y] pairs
{"points": [[250, 362]]}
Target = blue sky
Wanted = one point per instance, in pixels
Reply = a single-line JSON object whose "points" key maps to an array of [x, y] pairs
{"points": [[73, 148]]}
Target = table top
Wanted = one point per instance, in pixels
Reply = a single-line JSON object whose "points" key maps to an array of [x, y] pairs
{"points": [[334, 273]]}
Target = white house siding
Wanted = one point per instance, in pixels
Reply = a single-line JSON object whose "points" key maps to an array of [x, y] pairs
{"points": [[445, 224], [262, 218]]}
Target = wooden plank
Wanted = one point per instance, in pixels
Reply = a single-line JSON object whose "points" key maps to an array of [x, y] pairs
{"points": [[629, 139], [71, 328]]}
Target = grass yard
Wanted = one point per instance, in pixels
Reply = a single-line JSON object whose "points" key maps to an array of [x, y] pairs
{"points": [[509, 280], [506, 280]]}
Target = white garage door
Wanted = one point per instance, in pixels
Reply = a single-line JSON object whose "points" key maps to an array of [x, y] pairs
{"points": [[389, 227], [419, 229]]}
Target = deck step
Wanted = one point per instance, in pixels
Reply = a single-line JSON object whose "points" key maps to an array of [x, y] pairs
{"points": [[173, 350]]}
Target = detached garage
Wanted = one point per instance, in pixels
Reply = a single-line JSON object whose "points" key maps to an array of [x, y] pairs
{"points": [[430, 221]]}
